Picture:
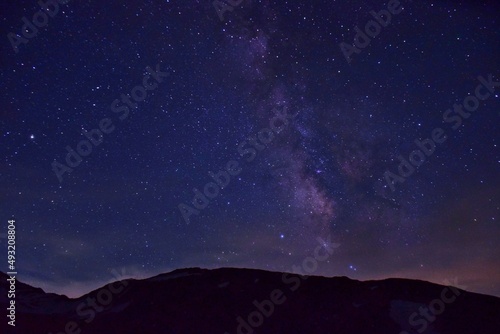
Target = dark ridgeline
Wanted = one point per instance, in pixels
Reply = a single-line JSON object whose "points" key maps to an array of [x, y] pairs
{"points": [[212, 301]]}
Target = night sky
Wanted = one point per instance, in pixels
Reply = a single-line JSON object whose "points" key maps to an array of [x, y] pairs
{"points": [[312, 139]]}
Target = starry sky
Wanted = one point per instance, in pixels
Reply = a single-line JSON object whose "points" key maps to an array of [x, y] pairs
{"points": [[218, 83]]}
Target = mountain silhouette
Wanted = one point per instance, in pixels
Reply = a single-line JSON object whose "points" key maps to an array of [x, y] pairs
{"points": [[246, 301]]}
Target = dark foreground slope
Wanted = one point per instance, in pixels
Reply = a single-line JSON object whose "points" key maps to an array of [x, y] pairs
{"points": [[254, 301]]}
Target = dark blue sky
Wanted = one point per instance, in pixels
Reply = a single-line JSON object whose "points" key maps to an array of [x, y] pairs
{"points": [[221, 83]]}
